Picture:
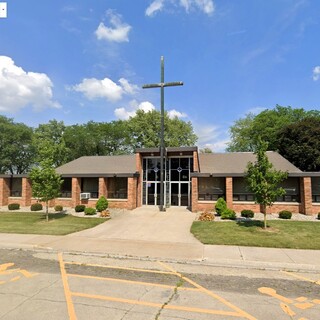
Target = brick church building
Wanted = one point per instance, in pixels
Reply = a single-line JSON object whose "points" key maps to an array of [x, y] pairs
{"points": [[191, 179]]}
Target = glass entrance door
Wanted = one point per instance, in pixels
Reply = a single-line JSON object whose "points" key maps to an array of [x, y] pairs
{"points": [[179, 194], [153, 192]]}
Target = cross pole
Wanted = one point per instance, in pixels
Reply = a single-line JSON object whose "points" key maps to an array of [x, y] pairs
{"points": [[161, 85]]}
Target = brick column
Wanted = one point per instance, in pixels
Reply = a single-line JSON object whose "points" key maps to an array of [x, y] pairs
{"points": [[194, 194], [102, 187], [229, 192], [76, 189], [196, 161], [26, 192], [4, 191], [132, 193], [306, 195]]}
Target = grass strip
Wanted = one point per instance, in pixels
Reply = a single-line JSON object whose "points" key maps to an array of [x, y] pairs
{"points": [[35, 223], [279, 234]]}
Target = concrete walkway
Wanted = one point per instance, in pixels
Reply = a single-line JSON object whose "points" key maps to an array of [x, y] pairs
{"points": [[148, 233]]}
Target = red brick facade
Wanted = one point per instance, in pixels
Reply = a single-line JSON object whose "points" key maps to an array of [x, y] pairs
{"points": [[134, 192]]}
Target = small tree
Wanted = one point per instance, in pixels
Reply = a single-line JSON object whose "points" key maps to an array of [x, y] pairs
{"points": [[46, 183], [263, 180], [102, 204]]}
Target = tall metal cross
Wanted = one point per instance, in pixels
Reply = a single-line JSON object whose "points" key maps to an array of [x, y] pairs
{"points": [[161, 85]]}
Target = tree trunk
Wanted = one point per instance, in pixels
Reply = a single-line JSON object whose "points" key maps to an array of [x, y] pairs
{"points": [[264, 209], [47, 211]]}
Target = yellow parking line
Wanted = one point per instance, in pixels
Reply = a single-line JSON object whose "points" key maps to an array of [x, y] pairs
{"points": [[301, 277], [131, 282], [120, 268], [156, 305], [239, 311], [71, 311]]}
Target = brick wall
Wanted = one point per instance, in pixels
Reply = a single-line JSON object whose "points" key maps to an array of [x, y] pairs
{"points": [[229, 192], [76, 190], [4, 191], [306, 195]]}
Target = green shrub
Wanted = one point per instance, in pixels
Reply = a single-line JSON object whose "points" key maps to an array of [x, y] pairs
{"points": [[13, 206], [228, 214], [318, 215], [36, 207], [247, 213], [58, 208], [89, 211], [285, 214], [102, 204], [79, 208], [220, 206]]}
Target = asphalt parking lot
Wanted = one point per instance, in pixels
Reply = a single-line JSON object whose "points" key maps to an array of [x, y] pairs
{"points": [[46, 285]]}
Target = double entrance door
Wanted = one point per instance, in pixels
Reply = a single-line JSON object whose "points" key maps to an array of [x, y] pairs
{"points": [[178, 193]]}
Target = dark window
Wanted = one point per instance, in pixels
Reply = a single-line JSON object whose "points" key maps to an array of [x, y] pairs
{"points": [[292, 188], [90, 185], [211, 189], [66, 188], [241, 191], [117, 188], [15, 187], [315, 183]]}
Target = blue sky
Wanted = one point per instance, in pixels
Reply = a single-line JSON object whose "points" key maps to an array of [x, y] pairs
{"points": [[87, 60]]}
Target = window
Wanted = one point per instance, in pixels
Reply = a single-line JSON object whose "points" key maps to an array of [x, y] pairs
{"points": [[241, 191], [90, 185], [211, 189], [66, 188], [292, 188], [315, 183], [117, 188], [15, 187]]}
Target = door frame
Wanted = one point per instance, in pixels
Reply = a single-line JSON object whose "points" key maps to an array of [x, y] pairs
{"points": [[179, 192]]}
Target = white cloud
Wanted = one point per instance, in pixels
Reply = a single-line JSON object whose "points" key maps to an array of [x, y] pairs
{"points": [[128, 87], [118, 32], [94, 88], [206, 6], [174, 113], [211, 137], [316, 73], [19, 88], [155, 6], [124, 114]]}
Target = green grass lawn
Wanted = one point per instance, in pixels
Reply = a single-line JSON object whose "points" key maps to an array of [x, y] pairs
{"points": [[35, 223], [280, 234]]}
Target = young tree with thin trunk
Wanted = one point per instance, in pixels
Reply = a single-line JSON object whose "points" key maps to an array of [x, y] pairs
{"points": [[46, 183], [263, 180]]}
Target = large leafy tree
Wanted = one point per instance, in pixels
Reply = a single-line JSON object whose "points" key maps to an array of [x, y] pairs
{"points": [[263, 180], [16, 149], [144, 130], [50, 137], [246, 131], [46, 183], [300, 144]]}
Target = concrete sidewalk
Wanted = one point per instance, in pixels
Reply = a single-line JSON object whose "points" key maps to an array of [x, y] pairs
{"points": [[227, 256]]}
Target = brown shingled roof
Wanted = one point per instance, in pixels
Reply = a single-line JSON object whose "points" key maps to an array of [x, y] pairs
{"points": [[236, 162], [99, 165]]}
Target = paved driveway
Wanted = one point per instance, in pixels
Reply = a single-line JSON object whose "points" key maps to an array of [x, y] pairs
{"points": [[146, 224]]}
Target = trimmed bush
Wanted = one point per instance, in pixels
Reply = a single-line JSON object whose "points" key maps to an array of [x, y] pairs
{"points": [[58, 208], [102, 204], [319, 216], [220, 206], [13, 206], [80, 208], [247, 213], [36, 207], [228, 214], [285, 214], [90, 211]]}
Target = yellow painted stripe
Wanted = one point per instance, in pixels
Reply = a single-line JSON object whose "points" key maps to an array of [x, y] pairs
{"points": [[210, 293], [67, 293], [155, 305], [15, 279], [301, 277], [120, 268], [131, 282]]}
